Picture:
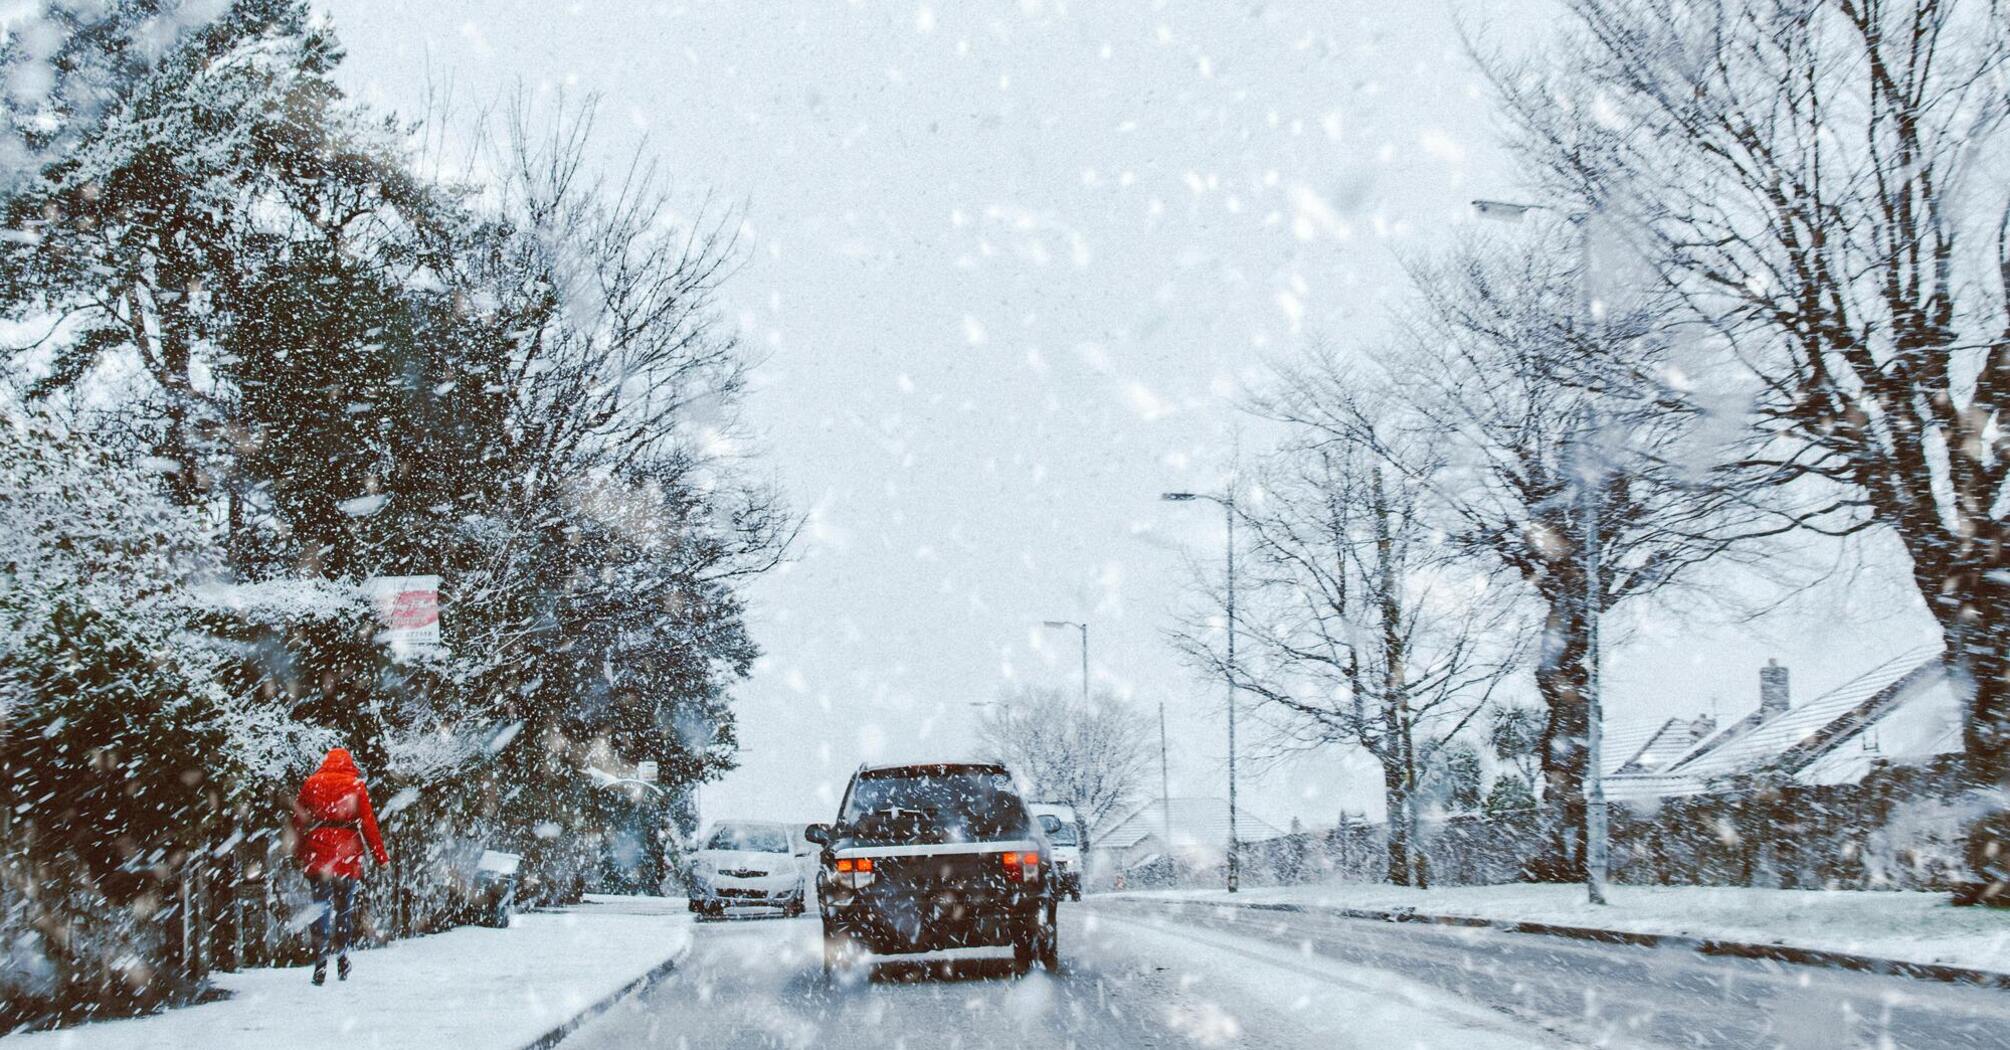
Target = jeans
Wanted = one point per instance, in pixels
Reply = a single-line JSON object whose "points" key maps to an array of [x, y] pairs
{"points": [[337, 898]]}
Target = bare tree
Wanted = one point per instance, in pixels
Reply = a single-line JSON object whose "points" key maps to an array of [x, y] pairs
{"points": [[1817, 178], [1092, 754], [1363, 629], [1531, 411]]}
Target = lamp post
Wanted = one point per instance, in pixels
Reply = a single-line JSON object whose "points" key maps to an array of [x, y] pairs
{"points": [[1227, 502], [1596, 849], [1084, 628], [1165, 780], [652, 869]]}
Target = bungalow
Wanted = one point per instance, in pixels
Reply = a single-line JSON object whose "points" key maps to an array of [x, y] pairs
{"points": [[1904, 711]]}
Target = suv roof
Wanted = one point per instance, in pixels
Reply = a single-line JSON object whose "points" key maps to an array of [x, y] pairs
{"points": [[965, 763]]}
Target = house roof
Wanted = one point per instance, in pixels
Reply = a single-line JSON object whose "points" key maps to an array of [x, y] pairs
{"points": [[1658, 748], [1773, 742], [1195, 822], [1622, 742], [1788, 742]]}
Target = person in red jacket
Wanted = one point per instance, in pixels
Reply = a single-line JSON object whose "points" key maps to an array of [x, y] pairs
{"points": [[332, 824]]}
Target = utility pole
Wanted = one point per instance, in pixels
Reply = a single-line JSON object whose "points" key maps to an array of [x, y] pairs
{"points": [[1591, 471], [1165, 779], [1084, 629], [1227, 502], [1596, 847], [1234, 839]]}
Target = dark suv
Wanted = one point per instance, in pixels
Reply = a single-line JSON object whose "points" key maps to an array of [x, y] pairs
{"points": [[934, 856]]}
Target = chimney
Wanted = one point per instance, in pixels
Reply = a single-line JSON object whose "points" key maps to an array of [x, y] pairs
{"points": [[1773, 689]]}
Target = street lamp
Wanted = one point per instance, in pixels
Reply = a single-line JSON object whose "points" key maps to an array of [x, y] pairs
{"points": [[1596, 851], [1227, 502], [602, 778], [1084, 628]]}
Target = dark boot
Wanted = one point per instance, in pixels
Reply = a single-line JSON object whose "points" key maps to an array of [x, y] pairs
{"points": [[342, 967], [320, 971]]}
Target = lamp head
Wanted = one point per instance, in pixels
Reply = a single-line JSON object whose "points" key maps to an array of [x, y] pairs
{"points": [[1503, 211]]}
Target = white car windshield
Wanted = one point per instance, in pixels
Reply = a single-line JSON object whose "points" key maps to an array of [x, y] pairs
{"points": [[747, 839]]}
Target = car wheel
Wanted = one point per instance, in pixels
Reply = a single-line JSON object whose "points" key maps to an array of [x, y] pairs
{"points": [[1050, 943], [841, 952], [1026, 946]]}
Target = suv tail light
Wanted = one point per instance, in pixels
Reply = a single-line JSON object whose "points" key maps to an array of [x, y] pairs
{"points": [[1022, 867], [855, 872]]}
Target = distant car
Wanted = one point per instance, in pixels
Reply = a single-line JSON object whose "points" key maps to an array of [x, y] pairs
{"points": [[1057, 819], [747, 864], [495, 884], [482, 883], [935, 856]]}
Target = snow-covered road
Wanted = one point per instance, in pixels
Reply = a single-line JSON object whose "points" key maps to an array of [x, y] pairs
{"points": [[1588, 993], [1138, 975], [1123, 983]]}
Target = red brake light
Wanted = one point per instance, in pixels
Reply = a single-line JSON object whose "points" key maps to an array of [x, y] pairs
{"points": [[865, 864], [845, 864]]}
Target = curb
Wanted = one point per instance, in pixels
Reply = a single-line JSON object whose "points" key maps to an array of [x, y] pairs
{"points": [[595, 1009], [1701, 945]]}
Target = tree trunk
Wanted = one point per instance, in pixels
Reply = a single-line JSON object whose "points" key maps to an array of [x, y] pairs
{"points": [[1559, 679], [1396, 797], [1972, 605]]}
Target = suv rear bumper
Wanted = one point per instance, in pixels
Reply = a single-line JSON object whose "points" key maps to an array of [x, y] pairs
{"points": [[896, 924]]}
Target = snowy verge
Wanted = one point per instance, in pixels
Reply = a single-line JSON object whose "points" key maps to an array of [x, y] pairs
{"points": [[466, 989], [1907, 927]]}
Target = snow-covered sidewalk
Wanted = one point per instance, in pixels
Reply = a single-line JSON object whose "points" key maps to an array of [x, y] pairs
{"points": [[469, 988], [1919, 928]]}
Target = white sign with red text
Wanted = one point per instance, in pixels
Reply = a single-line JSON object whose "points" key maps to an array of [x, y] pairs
{"points": [[408, 607]]}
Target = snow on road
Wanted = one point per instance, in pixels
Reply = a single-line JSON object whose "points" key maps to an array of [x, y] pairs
{"points": [[1123, 983], [1229, 990], [1908, 926], [1618, 995]]}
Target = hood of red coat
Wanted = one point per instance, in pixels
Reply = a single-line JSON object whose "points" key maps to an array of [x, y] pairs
{"points": [[338, 761]]}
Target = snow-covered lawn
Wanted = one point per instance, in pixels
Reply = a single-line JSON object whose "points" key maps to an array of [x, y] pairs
{"points": [[466, 989], [1909, 927]]}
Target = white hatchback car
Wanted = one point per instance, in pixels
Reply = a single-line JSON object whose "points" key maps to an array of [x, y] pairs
{"points": [[747, 864]]}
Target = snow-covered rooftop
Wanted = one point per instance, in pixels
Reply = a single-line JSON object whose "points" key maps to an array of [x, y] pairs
{"points": [[1770, 740], [1645, 748], [1905, 697]]}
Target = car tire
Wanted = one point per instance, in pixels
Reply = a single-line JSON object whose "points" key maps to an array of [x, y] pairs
{"points": [[1026, 945], [1050, 942], [841, 952]]}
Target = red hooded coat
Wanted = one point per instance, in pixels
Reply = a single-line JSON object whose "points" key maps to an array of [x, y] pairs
{"points": [[332, 820]]}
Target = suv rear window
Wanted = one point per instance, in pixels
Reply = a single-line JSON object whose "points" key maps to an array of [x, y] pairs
{"points": [[1059, 832], [934, 804]]}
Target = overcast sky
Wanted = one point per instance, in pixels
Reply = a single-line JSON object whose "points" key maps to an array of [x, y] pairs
{"points": [[1008, 267]]}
